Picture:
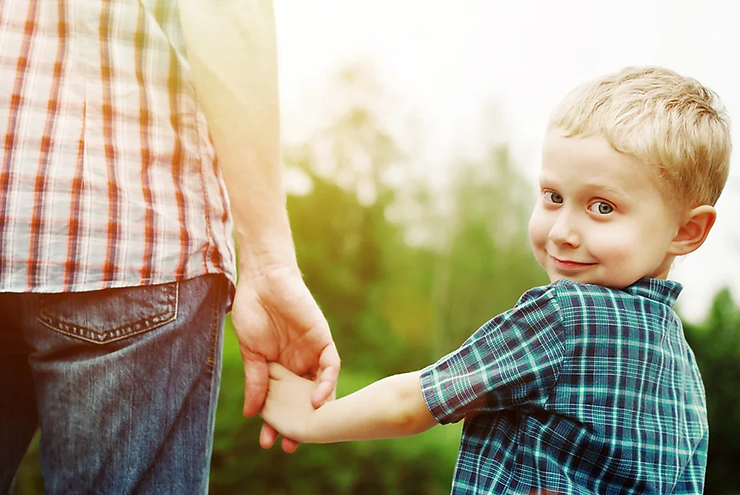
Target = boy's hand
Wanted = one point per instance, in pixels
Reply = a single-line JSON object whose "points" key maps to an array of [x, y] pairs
{"points": [[288, 406]]}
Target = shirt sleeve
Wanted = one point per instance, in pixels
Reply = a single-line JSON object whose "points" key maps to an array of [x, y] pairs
{"points": [[512, 361]]}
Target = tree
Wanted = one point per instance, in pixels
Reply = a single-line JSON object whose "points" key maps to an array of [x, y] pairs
{"points": [[716, 344]]}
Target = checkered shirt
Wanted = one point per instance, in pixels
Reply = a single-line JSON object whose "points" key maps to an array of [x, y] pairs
{"points": [[108, 174], [577, 389]]}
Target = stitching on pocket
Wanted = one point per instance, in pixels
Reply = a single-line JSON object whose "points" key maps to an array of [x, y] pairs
{"points": [[88, 334]]}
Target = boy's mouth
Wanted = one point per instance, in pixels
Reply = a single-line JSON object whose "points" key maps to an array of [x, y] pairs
{"points": [[569, 265]]}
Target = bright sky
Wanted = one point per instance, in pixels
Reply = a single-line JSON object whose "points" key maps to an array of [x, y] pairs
{"points": [[448, 63]]}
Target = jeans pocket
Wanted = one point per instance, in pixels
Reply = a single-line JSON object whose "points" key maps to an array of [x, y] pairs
{"points": [[109, 315]]}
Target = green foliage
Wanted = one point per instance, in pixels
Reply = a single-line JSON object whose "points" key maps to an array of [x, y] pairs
{"points": [[339, 247], [28, 479], [487, 263], [716, 345]]}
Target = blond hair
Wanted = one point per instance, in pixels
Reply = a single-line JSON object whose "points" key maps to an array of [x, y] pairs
{"points": [[660, 118]]}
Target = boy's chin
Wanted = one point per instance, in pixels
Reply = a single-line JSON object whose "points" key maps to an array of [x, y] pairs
{"points": [[574, 278], [612, 284]]}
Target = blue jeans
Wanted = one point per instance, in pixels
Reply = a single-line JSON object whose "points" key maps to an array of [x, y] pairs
{"points": [[122, 382]]}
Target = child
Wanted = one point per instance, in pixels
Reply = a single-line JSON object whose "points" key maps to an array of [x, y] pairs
{"points": [[587, 385]]}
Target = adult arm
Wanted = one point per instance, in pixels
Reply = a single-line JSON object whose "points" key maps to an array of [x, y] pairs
{"points": [[232, 52], [389, 408]]}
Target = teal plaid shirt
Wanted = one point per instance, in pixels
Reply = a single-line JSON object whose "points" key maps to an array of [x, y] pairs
{"points": [[577, 389]]}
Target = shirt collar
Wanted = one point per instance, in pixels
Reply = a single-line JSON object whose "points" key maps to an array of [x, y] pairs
{"points": [[662, 291]]}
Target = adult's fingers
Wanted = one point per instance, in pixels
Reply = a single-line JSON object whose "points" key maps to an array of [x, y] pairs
{"points": [[330, 366], [256, 378], [323, 392]]}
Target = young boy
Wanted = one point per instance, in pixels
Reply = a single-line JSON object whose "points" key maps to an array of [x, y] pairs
{"points": [[587, 385]]}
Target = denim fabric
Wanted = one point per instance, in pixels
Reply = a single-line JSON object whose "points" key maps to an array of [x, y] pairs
{"points": [[122, 382]]}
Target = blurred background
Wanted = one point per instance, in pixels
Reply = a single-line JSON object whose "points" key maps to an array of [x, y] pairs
{"points": [[412, 133]]}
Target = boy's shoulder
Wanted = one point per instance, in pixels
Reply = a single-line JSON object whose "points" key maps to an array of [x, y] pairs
{"points": [[570, 295], [565, 290], [595, 315]]}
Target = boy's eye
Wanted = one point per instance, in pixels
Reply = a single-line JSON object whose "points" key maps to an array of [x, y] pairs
{"points": [[601, 207], [553, 197]]}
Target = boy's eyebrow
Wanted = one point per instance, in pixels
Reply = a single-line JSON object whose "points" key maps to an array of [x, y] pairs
{"points": [[593, 186], [608, 189]]}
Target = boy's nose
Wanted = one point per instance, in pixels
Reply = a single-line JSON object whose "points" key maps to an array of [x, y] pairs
{"points": [[563, 232]]}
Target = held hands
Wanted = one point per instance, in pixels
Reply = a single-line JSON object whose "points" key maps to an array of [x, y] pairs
{"points": [[288, 407], [277, 320]]}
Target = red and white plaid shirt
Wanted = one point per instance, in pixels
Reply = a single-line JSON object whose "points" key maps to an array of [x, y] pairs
{"points": [[108, 174]]}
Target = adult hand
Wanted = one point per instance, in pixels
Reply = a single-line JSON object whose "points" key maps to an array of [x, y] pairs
{"points": [[277, 320]]}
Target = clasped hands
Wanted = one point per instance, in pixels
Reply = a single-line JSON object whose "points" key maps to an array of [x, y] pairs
{"points": [[283, 336]]}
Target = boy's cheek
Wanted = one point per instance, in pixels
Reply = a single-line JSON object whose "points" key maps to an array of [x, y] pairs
{"points": [[537, 230]]}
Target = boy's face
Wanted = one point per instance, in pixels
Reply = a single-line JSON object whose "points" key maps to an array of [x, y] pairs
{"points": [[600, 217]]}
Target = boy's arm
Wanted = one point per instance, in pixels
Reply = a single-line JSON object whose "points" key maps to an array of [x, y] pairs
{"points": [[392, 407]]}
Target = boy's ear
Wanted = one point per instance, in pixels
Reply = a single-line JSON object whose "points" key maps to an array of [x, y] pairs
{"points": [[696, 226]]}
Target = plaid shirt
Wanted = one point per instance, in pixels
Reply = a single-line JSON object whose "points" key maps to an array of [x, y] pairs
{"points": [[577, 389], [108, 174]]}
